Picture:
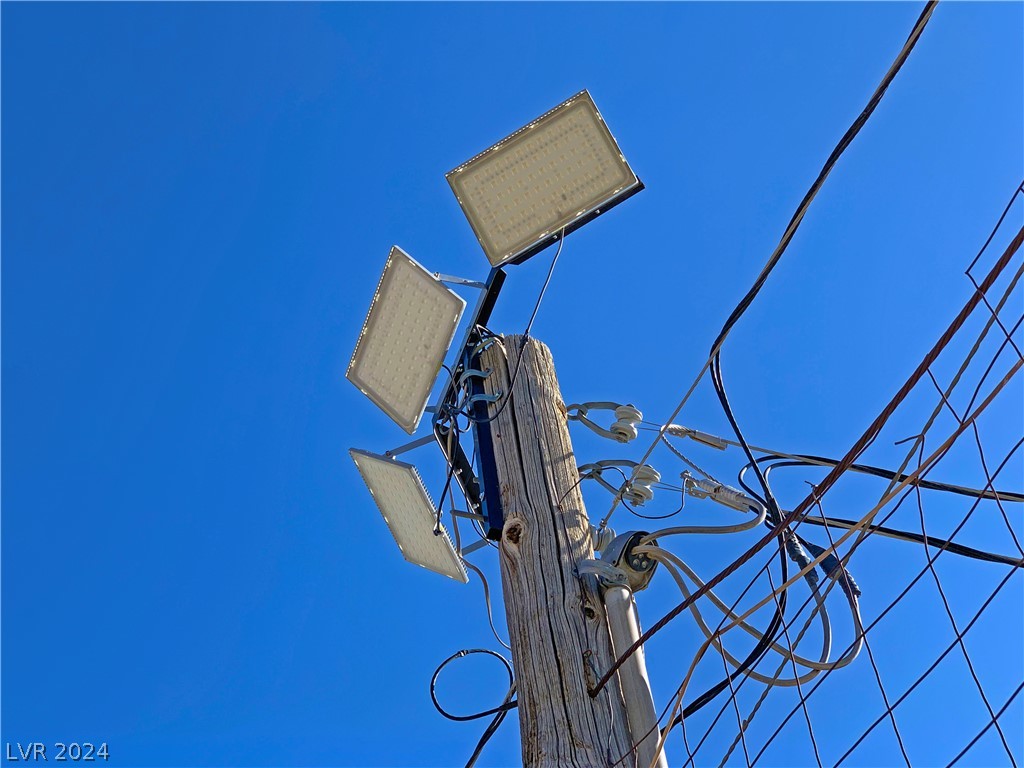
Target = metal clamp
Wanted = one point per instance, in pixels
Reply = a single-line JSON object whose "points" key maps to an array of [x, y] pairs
{"points": [[601, 537], [622, 430], [473, 373], [482, 398], [455, 280], [607, 574], [712, 441], [723, 494]]}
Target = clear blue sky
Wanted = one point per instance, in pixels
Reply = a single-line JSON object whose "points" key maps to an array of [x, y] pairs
{"points": [[197, 201]]}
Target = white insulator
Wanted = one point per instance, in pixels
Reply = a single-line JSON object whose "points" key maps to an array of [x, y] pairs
{"points": [[625, 426], [639, 491], [624, 431], [638, 495], [647, 474]]}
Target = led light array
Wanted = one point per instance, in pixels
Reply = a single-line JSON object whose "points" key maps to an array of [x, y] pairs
{"points": [[397, 489], [527, 187], [407, 333]]}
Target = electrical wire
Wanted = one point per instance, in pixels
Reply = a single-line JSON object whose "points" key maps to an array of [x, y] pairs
{"points": [[794, 223], [867, 469], [491, 729], [487, 600], [772, 514], [688, 462], [759, 518], [893, 533], [503, 707], [932, 541], [880, 615], [524, 337], [844, 142], [622, 490], [910, 480], [793, 516], [642, 516], [926, 465], [716, 353], [674, 565], [755, 655]]}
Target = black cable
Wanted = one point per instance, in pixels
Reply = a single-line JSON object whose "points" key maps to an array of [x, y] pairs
{"points": [[501, 708], [625, 479], [791, 228], [949, 546], [449, 406], [844, 142], [525, 337], [648, 517], [773, 512], [888, 474], [952, 547], [453, 436], [491, 729]]}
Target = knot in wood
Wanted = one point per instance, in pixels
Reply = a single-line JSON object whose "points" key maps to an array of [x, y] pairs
{"points": [[514, 533]]}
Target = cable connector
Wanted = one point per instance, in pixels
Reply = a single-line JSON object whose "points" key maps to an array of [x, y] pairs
{"points": [[834, 569], [799, 557], [704, 438], [723, 494]]}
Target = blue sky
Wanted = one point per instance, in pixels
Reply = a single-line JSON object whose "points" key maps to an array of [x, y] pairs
{"points": [[197, 203]]}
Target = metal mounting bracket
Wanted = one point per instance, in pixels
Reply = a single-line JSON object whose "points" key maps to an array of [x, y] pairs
{"points": [[409, 446], [471, 548], [470, 373], [607, 574], [621, 431], [468, 515], [453, 280], [483, 398]]}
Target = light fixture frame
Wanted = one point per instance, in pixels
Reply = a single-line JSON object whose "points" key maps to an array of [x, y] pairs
{"points": [[566, 224], [410, 425], [429, 520]]}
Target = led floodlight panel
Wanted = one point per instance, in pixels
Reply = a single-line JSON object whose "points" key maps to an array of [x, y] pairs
{"points": [[559, 171], [410, 325], [409, 513]]}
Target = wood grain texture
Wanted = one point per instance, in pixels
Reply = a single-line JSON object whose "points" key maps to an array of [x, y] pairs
{"points": [[559, 636]]}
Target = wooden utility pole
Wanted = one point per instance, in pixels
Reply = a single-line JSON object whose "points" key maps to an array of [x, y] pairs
{"points": [[557, 626]]}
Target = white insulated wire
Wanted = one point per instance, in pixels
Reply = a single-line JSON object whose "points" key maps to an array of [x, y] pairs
{"points": [[685, 529], [673, 561]]}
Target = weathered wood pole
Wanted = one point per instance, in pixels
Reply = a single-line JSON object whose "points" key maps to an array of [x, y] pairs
{"points": [[556, 621]]}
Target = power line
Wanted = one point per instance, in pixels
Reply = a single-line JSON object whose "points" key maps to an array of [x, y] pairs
{"points": [[794, 223], [771, 454], [893, 533], [903, 593], [749, 297], [503, 707], [797, 513]]}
